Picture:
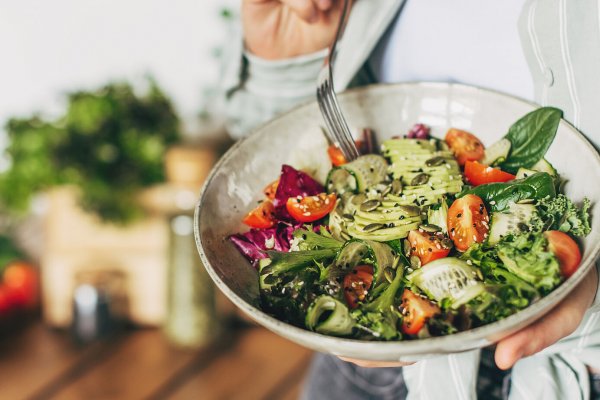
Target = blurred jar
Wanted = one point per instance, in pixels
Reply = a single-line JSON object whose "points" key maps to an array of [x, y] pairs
{"points": [[191, 315]]}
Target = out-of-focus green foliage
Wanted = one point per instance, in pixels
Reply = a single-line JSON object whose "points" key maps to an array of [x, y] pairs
{"points": [[8, 252], [110, 143]]}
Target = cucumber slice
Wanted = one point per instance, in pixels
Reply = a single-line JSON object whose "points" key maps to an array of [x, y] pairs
{"points": [[329, 316], [262, 264], [448, 278], [544, 166], [524, 173], [439, 216], [340, 181], [514, 221], [368, 170], [352, 253], [497, 152], [356, 252]]}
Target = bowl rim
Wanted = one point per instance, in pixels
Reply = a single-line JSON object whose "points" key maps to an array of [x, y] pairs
{"points": [[483, 333]]}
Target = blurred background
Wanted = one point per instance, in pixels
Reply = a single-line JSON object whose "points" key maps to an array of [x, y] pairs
{"points": [[110, 121]]}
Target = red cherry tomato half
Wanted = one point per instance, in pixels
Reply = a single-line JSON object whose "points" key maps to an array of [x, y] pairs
{"points": [[416, 312], [479, 174], [261, 216], [21, 283], [336, 156], [271, 189], [464, 145], [468, 221], [311, 208], [565, 249], [428, 246], [357, 283]]}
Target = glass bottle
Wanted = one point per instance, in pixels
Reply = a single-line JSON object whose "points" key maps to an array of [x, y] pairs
{"points": [[191, 316]]}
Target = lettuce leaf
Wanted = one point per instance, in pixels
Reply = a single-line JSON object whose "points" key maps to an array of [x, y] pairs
{"points": [[561, 214], [527, 257]]}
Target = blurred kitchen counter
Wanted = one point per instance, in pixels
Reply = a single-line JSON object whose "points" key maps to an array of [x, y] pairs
{"points": [[247, 363]]}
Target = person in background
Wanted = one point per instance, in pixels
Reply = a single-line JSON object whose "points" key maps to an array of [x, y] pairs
{"points": [[546, 51]]}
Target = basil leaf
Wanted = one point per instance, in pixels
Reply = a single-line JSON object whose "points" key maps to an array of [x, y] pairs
{"points": [[530, 138], [499, 196]]}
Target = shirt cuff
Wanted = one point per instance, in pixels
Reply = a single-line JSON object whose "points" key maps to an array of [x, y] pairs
{"points": [[289, 78]]}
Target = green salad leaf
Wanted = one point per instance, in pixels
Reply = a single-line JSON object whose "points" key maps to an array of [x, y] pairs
{"points": [[561, 214], [380, 316], [527, 257], [499, 196], [530, 138], [310, 240]]}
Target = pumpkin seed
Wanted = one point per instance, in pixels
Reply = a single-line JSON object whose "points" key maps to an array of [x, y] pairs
{"points": [[386, 191], [412, 211], [348, 217], [447, 243], [523, 226], [373, 227], [370, 205], [380, 187], [266, 270], [526, 201], [406, 248], [269, 280], [396, 187], [415, 262], [390, 274], [430, 228], [419, 179], [435, 161], [358, 199]]}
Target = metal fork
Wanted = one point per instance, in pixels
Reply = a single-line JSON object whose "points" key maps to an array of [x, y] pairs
{"points": [[337, 127]]}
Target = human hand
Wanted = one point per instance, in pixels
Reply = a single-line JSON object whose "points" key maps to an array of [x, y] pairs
{"points": [[557, 324], [375, 364], [276, 29]]}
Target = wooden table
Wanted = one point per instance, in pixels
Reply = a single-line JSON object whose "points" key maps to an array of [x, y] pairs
{"points": [[247, 363]]}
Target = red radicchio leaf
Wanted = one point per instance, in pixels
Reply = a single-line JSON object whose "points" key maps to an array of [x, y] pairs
{"points": [[253, 243], [293, 183]]}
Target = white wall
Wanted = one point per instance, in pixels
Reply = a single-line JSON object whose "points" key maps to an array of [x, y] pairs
{"points": [[53, 46]]}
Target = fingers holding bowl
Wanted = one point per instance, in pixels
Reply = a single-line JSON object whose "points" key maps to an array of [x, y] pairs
{"points": [[375, 364], [557, 324]]}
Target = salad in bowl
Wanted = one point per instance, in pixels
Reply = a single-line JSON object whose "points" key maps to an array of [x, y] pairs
{"points": [[419, 236]]}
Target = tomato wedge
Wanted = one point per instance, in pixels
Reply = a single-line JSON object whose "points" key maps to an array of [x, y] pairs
{"points": [[357, 284], [468, 221], [416, 312], [310, 208], [261, 216], [566, 251], [336, 156], [464, 145], [271, 189], [479, 174], [21, 284], [428, 246]]}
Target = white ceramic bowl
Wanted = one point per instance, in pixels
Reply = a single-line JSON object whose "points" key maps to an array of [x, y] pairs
{"points": [[235, 184]]}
